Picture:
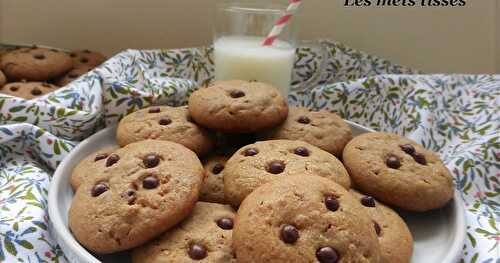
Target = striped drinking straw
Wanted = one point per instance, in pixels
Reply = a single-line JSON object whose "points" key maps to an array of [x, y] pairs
{"points": [[282, 22]]}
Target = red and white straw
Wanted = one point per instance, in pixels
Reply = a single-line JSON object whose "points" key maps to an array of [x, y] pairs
{"points": [[282, 22]]}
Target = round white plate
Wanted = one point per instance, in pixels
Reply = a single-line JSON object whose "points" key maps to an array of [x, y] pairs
{"points": [[439, 235]]}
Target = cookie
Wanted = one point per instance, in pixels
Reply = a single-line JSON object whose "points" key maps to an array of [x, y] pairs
{"points": [[303, 219], [394, 236], [213, 185], [398, 171], [89, 167], [238, 106], [35, 64], [323, 129], [265, 161], [164, 123], [3, 80], [206, 236], [72, 75], [142, 190], [87, 58], [27, 90]]}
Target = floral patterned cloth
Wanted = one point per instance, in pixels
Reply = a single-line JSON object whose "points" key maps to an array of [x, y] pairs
{"points": [[455, 115]]}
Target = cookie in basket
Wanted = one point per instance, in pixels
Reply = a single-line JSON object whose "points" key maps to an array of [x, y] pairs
{"points": [[265, 161], [89, 167], [213, 185], [304, 219], [398, 171], [72, 75], [395, 239], [165, 123], [27, 90], [238, 106], [142, 190], [87, 58], [206, 236], [323, 129], [35, 64], [3, 79]]}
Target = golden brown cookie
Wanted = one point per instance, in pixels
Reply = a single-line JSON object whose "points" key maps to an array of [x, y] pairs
{"points": [[143, 189], [205, 236], [87, 58], [72, 75], [238, 106], [323, 129], [265, 161], [395, 239], [28, 90], [89, 167], [398, 171], [165, 123], [3, 80], [213, 185], [303, 219], [35, 64]]}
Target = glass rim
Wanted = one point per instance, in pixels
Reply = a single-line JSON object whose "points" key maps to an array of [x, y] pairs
{"points": [[254, 8]]}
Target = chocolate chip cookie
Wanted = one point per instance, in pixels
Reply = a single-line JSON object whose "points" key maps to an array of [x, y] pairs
{"points": [[35, 64], [398, 171], [303, 219], [164, 123], [72, 75], [238, 106], [90, 166], [3, 80], [213, 185], [206, 236], [323, 129], [395, 239], [265, 161], [87, 58], [142, 190], [27, 90]]}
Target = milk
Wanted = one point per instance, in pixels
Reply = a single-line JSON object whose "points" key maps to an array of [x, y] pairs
{"points": [[245, 58]]}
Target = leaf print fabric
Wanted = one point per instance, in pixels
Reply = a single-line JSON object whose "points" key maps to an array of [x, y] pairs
{"points": [[455, 115]]}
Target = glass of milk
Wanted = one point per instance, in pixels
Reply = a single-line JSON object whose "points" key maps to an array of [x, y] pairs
{"points": [[240, 29]]}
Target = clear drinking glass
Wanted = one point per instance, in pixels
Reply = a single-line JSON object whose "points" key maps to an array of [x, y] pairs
{"points": [[240, 29]]}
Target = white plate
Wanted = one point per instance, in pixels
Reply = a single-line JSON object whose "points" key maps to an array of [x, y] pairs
{"points": [[439, 235]]}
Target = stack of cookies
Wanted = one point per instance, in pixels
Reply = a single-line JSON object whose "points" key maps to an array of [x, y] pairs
{"points": [[33, 72], [240, 176]]}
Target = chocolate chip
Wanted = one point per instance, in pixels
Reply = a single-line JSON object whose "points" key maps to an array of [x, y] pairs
{"points": [[100, 157], [84, 60], [250, 152], [276, 167], [39, 56], [302, 151], [150, 182], [151, 160], [98, 189], [408, 148], [225, 223], [112, 159], [304, 120], [289, 234], [154, 110], [218, 167], [368, 201], [377, 228], [332, 203], [14, 88], [72, 55], [131, 195], [393, 162], [236, 94], [165, 121], [36, 92], [420, 158], [197, 252], [327, 255]]}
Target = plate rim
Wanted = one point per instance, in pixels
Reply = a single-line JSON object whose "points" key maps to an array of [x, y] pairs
{"points": [[62, 234]]}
